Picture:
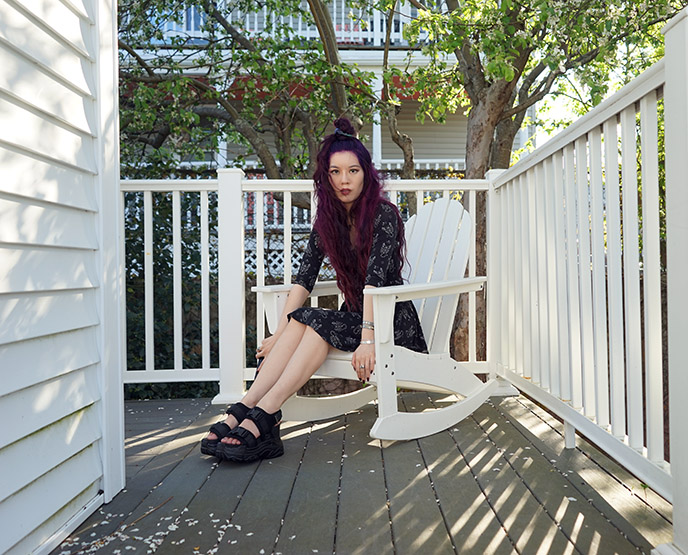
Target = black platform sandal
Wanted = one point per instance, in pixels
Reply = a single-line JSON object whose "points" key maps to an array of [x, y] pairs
{"points": [[267, 445], [221, 429]]}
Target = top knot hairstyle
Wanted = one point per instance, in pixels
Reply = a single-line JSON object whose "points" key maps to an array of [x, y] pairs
{"points": [[333, 223]]}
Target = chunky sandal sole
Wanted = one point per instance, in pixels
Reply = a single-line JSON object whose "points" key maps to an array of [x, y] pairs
{"points": [[267, 445], [268, 449], [220, 429]]}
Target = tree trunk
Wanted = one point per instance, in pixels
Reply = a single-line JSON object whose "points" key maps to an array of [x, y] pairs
{"points": [[482, 122]]}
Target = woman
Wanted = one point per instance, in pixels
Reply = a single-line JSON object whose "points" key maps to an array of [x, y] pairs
{"points": [[363, 236]]}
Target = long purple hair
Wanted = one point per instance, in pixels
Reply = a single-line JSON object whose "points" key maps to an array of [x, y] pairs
{"points": [[331, 220]]}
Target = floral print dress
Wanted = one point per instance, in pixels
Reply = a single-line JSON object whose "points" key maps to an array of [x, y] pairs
{"points": [[342, 328]]}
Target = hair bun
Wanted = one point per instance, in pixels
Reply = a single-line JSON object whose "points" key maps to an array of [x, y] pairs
{"points": [[343, 124]]}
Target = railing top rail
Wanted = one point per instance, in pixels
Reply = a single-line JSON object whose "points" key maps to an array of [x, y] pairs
{"points": [[306, 185], [295, 185], [653, 78], [167, 185]]}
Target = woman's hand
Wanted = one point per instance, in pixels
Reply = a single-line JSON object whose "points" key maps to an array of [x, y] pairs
{"points": [[266, 346], [363, 361]]}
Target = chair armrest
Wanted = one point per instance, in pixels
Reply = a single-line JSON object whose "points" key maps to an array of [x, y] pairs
{"points": [[320, 289], [432, 289], [275, 298]]}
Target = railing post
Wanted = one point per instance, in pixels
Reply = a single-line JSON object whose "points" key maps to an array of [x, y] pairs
{"points": [[676, 145], [231, 296], [495, 274]]}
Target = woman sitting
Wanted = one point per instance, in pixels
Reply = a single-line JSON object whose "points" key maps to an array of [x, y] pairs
{"points": [[362, 234]]}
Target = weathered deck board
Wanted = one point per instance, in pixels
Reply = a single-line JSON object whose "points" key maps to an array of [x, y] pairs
{"points": [[499, 482]]}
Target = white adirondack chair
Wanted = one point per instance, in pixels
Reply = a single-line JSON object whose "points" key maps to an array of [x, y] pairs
{"points": [[438, 240]]}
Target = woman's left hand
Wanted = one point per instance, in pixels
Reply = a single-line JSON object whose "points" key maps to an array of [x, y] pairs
{"points": [[363, 361]]}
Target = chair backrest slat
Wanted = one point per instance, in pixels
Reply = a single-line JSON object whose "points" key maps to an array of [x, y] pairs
{"points": [[438, 250]]}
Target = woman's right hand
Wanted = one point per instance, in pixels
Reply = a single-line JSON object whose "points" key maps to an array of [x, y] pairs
{"points": [[266, 346]]}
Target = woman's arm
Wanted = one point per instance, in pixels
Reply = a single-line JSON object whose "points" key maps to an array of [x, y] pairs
{"points": [[363, 360]]}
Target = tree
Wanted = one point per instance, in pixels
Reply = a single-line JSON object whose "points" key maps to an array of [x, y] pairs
{"points": [[270, 90]]}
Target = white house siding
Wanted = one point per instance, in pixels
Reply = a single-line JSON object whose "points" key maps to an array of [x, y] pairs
{"points": [[60, 404]]}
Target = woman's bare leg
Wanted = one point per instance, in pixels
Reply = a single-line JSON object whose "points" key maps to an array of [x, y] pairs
{"points": [[271, 368], [306, 359]]}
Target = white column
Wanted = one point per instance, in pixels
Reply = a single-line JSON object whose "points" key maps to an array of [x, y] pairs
{"points": [[676, 145], [231, 300], [111, 255]]}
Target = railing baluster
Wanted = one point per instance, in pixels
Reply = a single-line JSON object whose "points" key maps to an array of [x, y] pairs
{"points": [[631, 278], [599, 293], [513, 285], [521, 283], [575, 368], [205, 281], [543, 310], [260, 262], [552, 330], [177, 278], [617, 369], [149, 309], [564, 362], [585, 277], [533, 331], [651, 278]]}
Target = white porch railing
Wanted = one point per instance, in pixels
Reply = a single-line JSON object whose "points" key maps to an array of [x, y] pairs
{"points": [[353, 27], [239, 207], [576, 278]]}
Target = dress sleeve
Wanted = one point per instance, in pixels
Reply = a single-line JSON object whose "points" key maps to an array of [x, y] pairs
{"points": [[384, 246], [310, 263]]}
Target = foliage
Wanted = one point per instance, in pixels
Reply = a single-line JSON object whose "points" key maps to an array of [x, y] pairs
{"points": [[497, 58], [267, 89]]}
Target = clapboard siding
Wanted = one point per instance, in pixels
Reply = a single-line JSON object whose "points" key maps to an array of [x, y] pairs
{"points": [[65, 439], [47, 49], [47, 357], [32, 315], [45, 136], [44, 269], [40, 406], [37, 502], [46, 225], [58, 179], [431, 140], [43, 536], [40, 180], [44, 93], [58, 21]]}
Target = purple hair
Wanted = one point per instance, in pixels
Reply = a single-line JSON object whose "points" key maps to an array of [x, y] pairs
{"points": [[331, 221]]}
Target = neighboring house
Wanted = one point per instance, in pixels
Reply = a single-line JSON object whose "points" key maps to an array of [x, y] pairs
{"points": [[361, 39]]}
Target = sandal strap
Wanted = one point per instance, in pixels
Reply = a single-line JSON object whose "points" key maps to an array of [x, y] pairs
{"points": [[238, 411], [243, 436], [264, 422], [220, 429]]}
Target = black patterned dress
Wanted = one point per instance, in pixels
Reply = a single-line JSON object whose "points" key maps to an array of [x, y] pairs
{"points": [[342, 328]]}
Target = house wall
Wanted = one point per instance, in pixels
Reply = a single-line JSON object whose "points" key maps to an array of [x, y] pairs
{"points": [[58, 269], [433, 143]]}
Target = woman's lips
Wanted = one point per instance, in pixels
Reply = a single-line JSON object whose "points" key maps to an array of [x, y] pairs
{"points": [[344, 191]]}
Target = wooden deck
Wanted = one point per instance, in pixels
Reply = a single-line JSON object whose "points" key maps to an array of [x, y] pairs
{"points": [[498, 482]]}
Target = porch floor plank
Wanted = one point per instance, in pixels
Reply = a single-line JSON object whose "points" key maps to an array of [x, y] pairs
{"points": [[312, 510], [645, 516], [498, 483], [471, 520], [363, 524]]}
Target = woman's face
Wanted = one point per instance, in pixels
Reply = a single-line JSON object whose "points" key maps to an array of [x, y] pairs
{"points": [[346, 177]]}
